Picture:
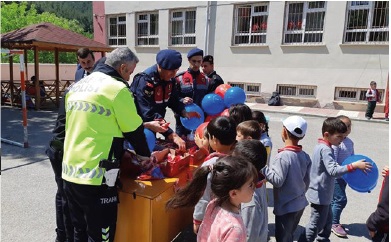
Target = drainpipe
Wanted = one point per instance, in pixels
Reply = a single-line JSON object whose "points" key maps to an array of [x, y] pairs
{"points": [[207, 28]]}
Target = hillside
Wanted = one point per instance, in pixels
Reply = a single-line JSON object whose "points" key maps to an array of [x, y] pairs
{"points": [[81, 11]]}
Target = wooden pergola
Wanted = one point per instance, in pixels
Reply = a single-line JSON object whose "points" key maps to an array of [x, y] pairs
{"points": [[46, 37]]}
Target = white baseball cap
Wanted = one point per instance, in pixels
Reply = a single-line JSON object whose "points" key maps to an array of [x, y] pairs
{"points": [[296, 125]]}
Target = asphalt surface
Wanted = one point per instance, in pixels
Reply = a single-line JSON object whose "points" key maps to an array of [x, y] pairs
{"points": [[28, 186]]}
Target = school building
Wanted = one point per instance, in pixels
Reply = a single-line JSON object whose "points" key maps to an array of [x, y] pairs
{"points": [[315, 54]]}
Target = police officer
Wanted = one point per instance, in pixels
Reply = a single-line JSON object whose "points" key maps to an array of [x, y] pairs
{"points": [[192, 86], [154, 90], [64, 228], [100, 114], [208, 68]]}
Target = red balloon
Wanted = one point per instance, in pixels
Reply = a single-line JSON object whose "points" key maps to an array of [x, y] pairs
{"points": [[210, 117], [225, 113], [200, 130], [221, 89]]}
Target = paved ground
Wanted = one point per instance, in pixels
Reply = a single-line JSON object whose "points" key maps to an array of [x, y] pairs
{"points": [[28, 187]]}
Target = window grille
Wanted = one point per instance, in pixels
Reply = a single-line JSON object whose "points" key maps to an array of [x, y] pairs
{"points": [[297, 90], [183, 27], [304, 22], [117, 30], [147, 29], [367, 22], [249, 88], [353, 94], [251, 24]]}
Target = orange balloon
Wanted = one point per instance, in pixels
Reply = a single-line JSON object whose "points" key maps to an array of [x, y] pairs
{"points": [[225, 113], [210, 117], [200, 130], [221, 89]]}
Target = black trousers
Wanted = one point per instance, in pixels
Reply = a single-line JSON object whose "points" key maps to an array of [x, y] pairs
{"points": [[64, 228], [370, 109], [93, 211]]}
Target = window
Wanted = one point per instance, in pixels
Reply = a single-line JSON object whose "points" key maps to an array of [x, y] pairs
{"points": [[353, 94], [147, 29], [249, 88], [117, 30], [250, 24], [367, 22], [183, 27], [304, 22], [297, 90]]}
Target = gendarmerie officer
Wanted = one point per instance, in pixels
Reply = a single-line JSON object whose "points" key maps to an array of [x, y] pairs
{"points": [[215, 80], [192, 86], [154, 90]]}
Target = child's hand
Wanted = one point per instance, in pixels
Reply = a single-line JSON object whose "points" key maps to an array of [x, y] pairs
{"points": [[196, 227], [362, 165], [384, 171], [198, 140]]}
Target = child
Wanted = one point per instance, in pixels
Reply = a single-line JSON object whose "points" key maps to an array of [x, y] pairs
{"points": [[249, 129], [232, 182], [324, 169], [221, 134], [377, 223], [254, 213], [341, 152], [265, 139], [289, 173], [373, 96], [240, 112]]}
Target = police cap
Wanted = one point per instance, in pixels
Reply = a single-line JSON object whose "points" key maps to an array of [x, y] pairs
{"points": [[169, 59], [195, 52]]}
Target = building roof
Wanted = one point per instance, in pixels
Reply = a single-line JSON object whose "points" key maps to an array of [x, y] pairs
{"points": [[47, 36]]}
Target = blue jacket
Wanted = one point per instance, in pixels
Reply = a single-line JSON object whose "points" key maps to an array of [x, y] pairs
{"points": [[192, 84], [79, 74], [152, 96]]}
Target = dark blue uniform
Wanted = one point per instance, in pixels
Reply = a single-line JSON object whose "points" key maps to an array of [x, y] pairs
{"points": [[215, 81], [153, 95], [193, 84]]}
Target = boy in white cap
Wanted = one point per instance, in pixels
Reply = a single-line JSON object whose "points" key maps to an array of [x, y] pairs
{"points": [[289, 175]]}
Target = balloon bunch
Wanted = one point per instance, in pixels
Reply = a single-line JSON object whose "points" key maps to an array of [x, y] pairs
{"points": [[214, 105]]}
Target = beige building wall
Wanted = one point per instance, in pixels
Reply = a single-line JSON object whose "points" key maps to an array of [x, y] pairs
{"points": [[329, 65]]}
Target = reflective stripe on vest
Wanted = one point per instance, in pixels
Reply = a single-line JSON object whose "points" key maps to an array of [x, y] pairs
{"points": [[87, 107], [82, 173]]}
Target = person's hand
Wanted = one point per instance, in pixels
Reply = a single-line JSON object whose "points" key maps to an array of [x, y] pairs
{"points": [[372, 233], [187, 100], [157, 126], [196, 227], [362, 165], [384, 171], [198, 141], [180, 143]]}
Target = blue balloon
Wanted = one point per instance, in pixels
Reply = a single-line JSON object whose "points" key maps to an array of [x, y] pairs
{"points": [[212, 104], [358, 180], [234, 95], [193, 123], [151, 140]]}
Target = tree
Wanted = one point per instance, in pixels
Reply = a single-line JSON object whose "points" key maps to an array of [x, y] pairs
{"points": [[16, 15]]}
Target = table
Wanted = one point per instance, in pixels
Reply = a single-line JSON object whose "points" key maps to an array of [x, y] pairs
{"points": [[142, 215]]}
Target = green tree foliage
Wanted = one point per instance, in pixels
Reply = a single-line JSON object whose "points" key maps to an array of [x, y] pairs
{"points": [[16, 15], [80, 10]]}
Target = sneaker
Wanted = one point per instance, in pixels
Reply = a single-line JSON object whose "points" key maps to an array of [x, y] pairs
{"points": [[338, 230]]}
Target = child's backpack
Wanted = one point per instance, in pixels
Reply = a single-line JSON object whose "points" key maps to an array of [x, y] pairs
{"points": [[274, 100]]}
